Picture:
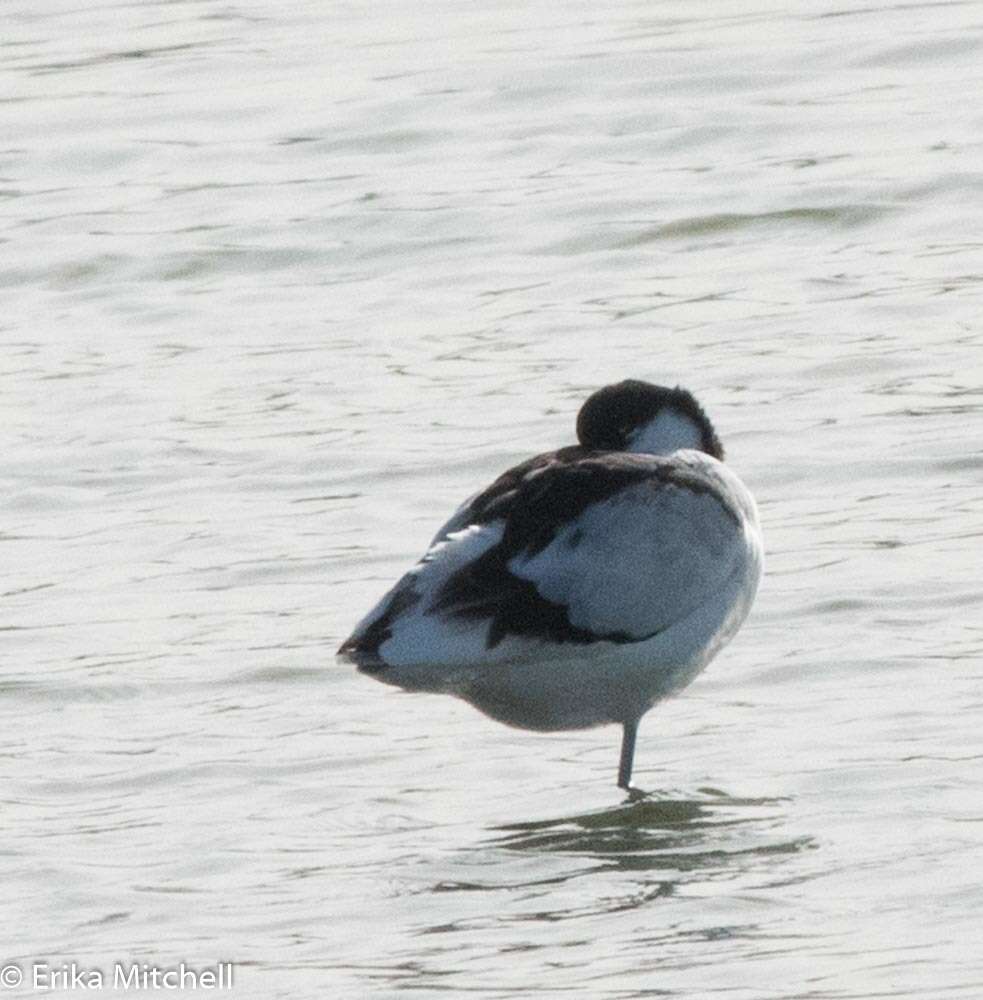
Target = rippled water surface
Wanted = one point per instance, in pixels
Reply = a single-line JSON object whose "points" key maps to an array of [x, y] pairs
{"points": [[282, 284]]}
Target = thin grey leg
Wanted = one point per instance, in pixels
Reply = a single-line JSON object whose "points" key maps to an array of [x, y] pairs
{"points": [[627, 753]]}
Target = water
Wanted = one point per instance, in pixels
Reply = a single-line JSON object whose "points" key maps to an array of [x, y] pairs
{"points": [[282, 284]]}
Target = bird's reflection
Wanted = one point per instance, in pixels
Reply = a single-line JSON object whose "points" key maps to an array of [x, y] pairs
{"points": [[708, 829], [645, 850]]}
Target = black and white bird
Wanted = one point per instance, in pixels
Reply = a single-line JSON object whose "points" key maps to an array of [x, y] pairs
{"points": [[583, 585]]}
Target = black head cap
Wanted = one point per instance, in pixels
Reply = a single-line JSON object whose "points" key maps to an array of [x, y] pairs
{"points": [[613, 415]]}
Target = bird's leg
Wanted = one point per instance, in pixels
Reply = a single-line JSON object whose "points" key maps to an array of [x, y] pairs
{"points": [[627, 752]]}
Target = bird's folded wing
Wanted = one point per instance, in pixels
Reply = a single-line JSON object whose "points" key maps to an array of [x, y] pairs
{"points": [[571, 554], [634, 564]]}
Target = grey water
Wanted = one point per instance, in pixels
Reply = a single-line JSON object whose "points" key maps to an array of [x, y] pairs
{"points": [[281, 284]]}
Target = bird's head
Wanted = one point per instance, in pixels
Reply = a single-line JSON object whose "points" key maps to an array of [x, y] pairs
{"points": [[640, 417]]}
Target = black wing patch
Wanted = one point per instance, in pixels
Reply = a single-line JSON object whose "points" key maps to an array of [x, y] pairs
{"points": [[485, 589], [497, 500], [363, 648]]}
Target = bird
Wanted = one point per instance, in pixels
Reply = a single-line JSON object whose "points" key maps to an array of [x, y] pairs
{"points": [[584, 585]]}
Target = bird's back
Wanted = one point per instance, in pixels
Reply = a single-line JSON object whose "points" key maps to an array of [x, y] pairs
{"points": [[568, 552]]}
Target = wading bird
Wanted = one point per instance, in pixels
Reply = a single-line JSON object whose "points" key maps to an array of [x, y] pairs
{"points": [[583, 585]]}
